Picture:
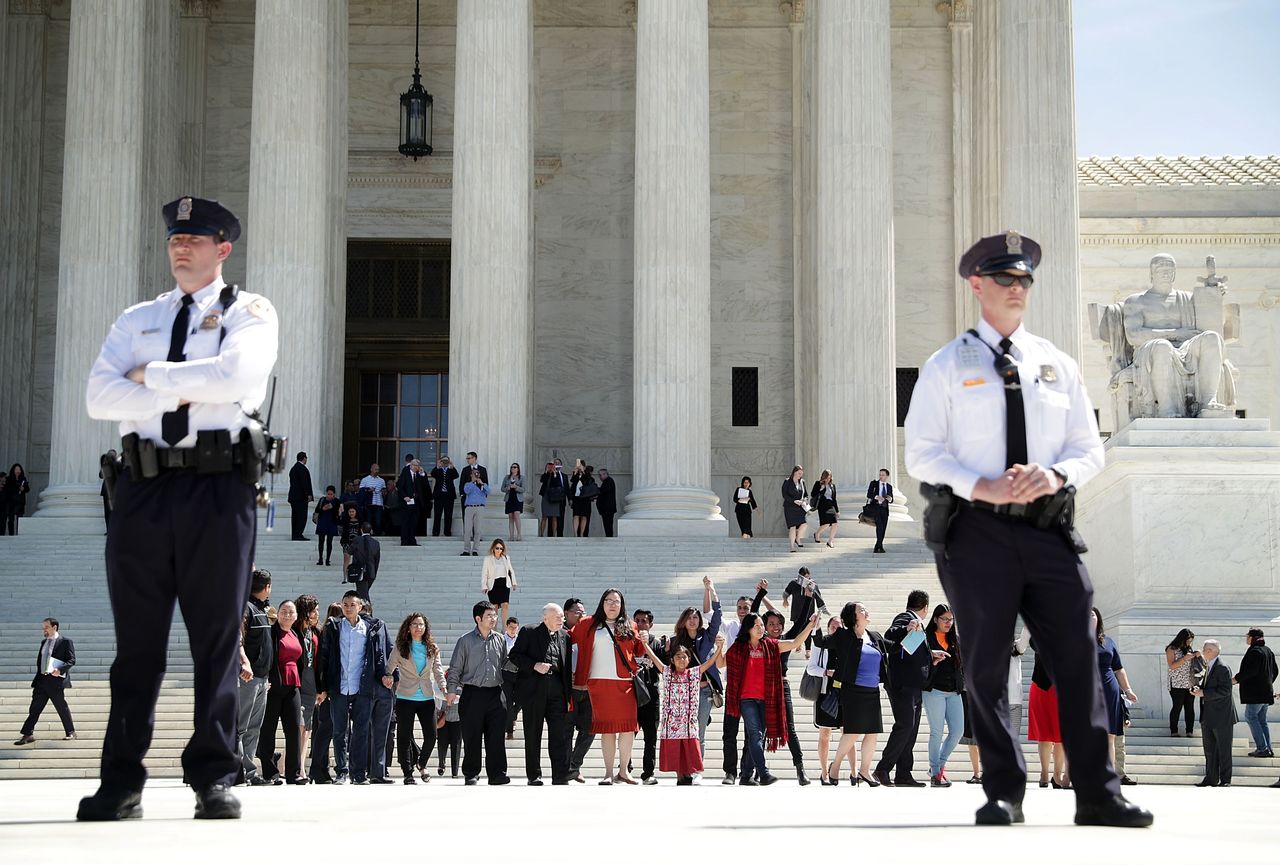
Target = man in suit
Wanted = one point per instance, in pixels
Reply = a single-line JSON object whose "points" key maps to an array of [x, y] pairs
{"points": [[879, 496], [406, 483], [607, 502], [1217, 716], [562, 480], [54, 660], [366, 554], [422, 493], [907, 674], [300, 495], [544, 687], [446, 490]]}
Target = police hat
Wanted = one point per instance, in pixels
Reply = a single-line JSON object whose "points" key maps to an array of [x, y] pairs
{"points": [[1000, 252], [189, 215]]}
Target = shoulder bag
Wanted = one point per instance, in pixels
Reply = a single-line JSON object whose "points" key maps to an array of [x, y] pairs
{"points": [[642, 690], [810, 687]]}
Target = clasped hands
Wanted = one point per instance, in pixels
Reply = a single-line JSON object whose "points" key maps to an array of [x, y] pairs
{"points": [[1018, 485]]}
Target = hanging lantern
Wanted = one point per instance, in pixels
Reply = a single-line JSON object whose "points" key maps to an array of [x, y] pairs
{"points": [[415, 107]]}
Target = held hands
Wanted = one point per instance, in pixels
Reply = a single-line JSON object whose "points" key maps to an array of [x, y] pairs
{"points": [[1018, 485], [762, 585], [387, 681], [451, 699], [720, 642], [706, 582]]}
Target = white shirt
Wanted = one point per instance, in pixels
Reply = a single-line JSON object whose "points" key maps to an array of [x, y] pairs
{"points": [[375, 484], [604, 658], [221, 383], [955, 430]]}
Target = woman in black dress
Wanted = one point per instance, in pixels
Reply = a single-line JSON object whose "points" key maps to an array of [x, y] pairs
{"points": [[795, 502], [328, 509], [824, 501], [13, 505], [744, 503], [580, 486], [857, 664]]}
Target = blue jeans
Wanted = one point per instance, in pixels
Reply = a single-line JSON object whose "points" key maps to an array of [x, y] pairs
{"points": [[353, 710], [752, 712], [704, 718], [939, 707], [1255, 715]]}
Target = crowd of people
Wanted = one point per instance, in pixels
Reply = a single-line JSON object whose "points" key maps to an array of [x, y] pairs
{"points": [[337, 695]]}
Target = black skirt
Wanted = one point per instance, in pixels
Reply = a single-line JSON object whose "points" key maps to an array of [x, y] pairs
{"points": [[827, 518], [860, 710], [501, 591]]}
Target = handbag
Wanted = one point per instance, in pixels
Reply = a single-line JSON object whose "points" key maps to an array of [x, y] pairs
{"points": [[868, 516], [810, 687], [642, 691], [556, 494], [589, 491], [831, 703]]}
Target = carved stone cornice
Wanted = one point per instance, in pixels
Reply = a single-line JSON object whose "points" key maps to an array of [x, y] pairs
{"points": [[29, 7], [1179, 239], [957, 11], [793, 10], [381, 169], [197, 8]]}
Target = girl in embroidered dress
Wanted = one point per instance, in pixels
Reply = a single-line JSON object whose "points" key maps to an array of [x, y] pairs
{"points": [[678, 728]]}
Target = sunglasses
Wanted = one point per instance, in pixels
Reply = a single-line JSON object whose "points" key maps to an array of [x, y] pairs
{"points": [[1008, 279]]}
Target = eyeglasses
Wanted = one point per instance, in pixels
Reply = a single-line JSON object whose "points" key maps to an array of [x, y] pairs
{"points": [[1008, 279], [946, 620]]}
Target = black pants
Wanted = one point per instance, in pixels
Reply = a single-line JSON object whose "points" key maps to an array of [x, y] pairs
{"points": [[1183, 704], [284, 709], [298, 518], [607, 519], [449, 739], [547, 711], [324, 548], [882, 523], [509, 694], [898, 750], [424, 712], [321, 742], [106, 510], [11, 523], [1217, 752], [185, 538], [444, 514], [743, 513], [729, 740], [408, 525], [362, 589], [48, 689], [647, 716], [483, 720], [381, 742], [793, 741], [582, 725], [993, 571]]}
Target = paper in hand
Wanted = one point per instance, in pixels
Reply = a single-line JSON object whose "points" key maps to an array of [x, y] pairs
{"points": [[912, 641]]}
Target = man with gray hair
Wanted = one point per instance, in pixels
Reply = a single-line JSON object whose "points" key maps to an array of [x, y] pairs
{"points": [[544, 687], [607, 502], [1217, 715]]}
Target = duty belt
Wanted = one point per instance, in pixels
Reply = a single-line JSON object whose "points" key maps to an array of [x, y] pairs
{"points": [[185, 458], [1028, 513]]}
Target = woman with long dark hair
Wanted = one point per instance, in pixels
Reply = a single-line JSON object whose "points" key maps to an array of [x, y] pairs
{"points": [[308, 632], [825, 721], [700, 640], [607, 646], [13, 505], [513, 502], [498, 578], [942, 697], [327, 512], [415, 661], [1043, 726], [1179, 655], [858, 665], [744, 502], [824, 500], [754, 694], [284, 700], [795, 506]]}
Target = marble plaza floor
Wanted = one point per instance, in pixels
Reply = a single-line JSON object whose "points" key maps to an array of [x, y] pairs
{"points": [[783, 823]]}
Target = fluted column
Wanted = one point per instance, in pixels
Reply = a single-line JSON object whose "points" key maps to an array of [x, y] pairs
{"points": [[962, 177], [1029, 159], [299, 87], [117, 167], [22, 48], [853, 415], [489, 391], [672, 354]]}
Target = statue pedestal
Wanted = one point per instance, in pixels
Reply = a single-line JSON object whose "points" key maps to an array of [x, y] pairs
{"points": [[1183, 527]]}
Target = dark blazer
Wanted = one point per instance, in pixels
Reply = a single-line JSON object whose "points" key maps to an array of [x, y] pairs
{"points": [[422, 490], [446, 482], [366, 550], [329, 670], [909, 671], [65, 651], [607, 501], [791, 492], [404, 482], [531, 648], [1217, 708], [1257, 672], [873, 490], [300, 483], [819, 502], [844, 653], [466, 476]]}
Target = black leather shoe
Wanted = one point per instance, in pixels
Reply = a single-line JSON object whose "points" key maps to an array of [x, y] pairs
{"points": [[535, 782], [409, 780], [110, 805], [1126, 781], [883, 777], [258, 781], [908, 781], [768, 780], [999, 812], [498, 782], [1276, 785], [216, 802], [1205, 782], [470, 782], [383, 780], [801, 778], [1115, 811], [748, 782]]}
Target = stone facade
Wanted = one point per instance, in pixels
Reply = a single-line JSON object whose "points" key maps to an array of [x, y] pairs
{"points": [[581, 315]]}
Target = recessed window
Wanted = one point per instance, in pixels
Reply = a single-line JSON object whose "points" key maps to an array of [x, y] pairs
{"points": [[746, 396], [907, 378]]}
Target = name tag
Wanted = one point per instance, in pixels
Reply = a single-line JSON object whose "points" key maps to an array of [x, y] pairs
{"points": [[974, 382], [150, 331]]}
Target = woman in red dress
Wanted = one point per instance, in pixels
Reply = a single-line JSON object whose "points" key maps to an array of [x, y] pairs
{"points": [[607, 645]]}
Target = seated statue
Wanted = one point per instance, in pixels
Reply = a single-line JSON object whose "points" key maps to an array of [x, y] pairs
{"points": [[1168, 347]]}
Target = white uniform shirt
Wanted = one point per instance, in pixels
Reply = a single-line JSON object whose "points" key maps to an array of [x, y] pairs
{"points": [[955, 430], [221, 383]]}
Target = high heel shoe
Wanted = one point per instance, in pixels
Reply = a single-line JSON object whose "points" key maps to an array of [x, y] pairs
{"points": [[1056, 785], [854, 780], [1044, 783], [869, 780]]}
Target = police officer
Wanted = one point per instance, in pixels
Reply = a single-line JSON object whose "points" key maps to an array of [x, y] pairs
{"points": [[181, 374], [1001, 417]]}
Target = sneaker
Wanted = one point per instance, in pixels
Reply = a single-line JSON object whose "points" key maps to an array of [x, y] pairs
{"points": [[729, 779], [938, 780]]}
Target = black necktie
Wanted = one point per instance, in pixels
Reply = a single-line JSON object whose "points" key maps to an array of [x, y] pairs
{"points": [[173, 425], [1015, 434]]}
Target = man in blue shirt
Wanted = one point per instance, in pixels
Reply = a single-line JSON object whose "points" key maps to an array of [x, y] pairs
{"points": [[355, 661]]}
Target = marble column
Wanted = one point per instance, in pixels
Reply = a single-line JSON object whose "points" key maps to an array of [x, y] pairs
{"points": [[853, 413], [119, 83], [299, 87], [22, 50], [1025, 83], [193, 54], [672, 355], [962, 179], [489, 384], [804, 320]]}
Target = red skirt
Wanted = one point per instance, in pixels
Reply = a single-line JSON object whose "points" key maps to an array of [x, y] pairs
{"points": [[613, 706], [1042, 715], [682, 756]]}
